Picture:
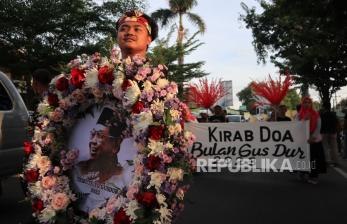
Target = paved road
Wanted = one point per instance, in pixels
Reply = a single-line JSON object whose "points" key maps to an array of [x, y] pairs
{"points": [[242, 198], [277, 198]]}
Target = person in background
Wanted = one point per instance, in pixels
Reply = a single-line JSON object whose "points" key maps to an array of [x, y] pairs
{"points": [[282, 113], [315, 140], [345, 135], [218, 115], [272, 116], [41, 79], [203, 118], [329, 130]]}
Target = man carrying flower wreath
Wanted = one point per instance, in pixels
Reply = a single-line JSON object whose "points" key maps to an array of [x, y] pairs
{"points": [[154, 119]]}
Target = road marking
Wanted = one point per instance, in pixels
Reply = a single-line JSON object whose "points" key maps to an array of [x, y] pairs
{"points": [[340, 171]]}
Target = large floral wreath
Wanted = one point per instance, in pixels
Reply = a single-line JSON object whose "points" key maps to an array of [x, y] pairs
{"points": [[156, 117]]}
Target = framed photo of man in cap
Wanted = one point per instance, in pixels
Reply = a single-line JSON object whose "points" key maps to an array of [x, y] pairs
{"points": [[104, 166]]}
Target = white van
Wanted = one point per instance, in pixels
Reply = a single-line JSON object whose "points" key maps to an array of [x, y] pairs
{"points": [[14, 119]]}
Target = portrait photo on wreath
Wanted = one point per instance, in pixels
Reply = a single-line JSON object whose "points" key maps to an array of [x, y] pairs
{"points": [[104, 166]]}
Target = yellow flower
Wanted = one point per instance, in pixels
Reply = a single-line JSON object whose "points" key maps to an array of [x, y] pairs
{"points": [[175, 114]]}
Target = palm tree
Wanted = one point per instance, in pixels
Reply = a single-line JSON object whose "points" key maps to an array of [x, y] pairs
{"points": [[179, 8]]}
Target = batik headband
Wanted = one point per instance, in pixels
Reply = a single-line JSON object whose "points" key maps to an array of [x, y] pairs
{"points": [[136, 17]]}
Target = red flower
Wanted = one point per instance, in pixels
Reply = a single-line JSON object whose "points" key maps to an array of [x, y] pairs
{"points": [[121, 217], [105, 75], [28, 148], [37, 205], [77, 77], [153, 163], [62, 84], [53, 100], [156, 132], [138, 107], [31, 175], [147, 199], [126, 84]]}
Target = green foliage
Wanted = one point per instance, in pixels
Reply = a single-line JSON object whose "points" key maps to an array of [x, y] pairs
{"points": [[246, 97], [292, 99], [164, 53], [40, 33], [308, 37], [43, 34], [178, 9]]}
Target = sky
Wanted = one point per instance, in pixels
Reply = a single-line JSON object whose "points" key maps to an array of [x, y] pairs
{"points": [[227, 51]]}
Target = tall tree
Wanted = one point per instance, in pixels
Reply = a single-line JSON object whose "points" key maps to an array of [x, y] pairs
{"points": [[292, 99], [246, 98], [43, 34], [40, 33], [179, 8], [164, 53], [307, 36]]}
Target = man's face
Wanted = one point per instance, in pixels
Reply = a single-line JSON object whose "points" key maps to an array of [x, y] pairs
{"points": [[100, 142], [133, 36]]}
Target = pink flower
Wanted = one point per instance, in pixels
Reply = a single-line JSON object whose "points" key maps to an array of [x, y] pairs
{"points": [[78, 95], [60, 201], [142, 73], [111, 205], [57, 115], [138, 170], [131, 192], [72, 155], [64, 104], [163, 92], [48, 182], [166, 158]]}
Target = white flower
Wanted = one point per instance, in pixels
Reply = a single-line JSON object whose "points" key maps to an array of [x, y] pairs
{"points": [[117, 85], [46, 215], [132, 94], [36, 189], [169, 145], [175, 174], [156, 147], [161, 199], [98, 213], [104, 62], [143, 120], [131, 208], [158, 107], [175, 129], [43, 108], [165, 215], [92, 78], [157, 179], [162, 83], [147, 86]]}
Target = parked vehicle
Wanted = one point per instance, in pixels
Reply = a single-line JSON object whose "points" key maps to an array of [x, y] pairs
{"points": [[14, 119], [235, 118]]}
